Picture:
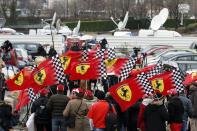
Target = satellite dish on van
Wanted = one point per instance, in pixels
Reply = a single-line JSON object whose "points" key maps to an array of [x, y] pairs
{"points": [[76, 29], [122, 24], [53, 20], [155, 23], [58, 27], [164, 15]]}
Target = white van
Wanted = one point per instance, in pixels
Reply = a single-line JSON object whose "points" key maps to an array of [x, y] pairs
{"points": [[158, 33]]}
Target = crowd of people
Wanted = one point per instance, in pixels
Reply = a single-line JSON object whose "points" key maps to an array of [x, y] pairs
{"points": [[90, 109], [177, 112]]}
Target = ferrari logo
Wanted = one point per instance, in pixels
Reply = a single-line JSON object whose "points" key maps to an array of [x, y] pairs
{"points": [[109, 63], [65, 61], [124, 92], [40, 77], [158, 84], [194, 74], [19, 80], [82, 68]]}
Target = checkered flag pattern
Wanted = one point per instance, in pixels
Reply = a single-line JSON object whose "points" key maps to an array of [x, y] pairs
{"points": [[144, 82], [58, 68], [127, 68], [156, 70], [111, 54], [84, 56], [178, 80], [32, 95], [102, 67], [103, 72], [100, 54]]}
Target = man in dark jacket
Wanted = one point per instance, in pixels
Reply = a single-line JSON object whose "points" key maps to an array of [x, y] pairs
{"points": [[176, 111], [193, 98], [5, 116], [42, 115], [187, 104], [155, 115], [57, 104]]}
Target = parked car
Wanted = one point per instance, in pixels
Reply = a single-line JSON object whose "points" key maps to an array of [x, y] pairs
{"points": [[186, 62], [33, 49], [154, 49], [155, 58]]}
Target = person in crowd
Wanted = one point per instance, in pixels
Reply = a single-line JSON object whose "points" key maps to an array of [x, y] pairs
{"points": [[42, 115], [187, 110], [145, 102], [56, 105], [89, 97], [5, 116], [2, 80], [77, 107], [8, 54], [156, 115], [41, 51], [132, 116], [193, 98], [98, 111], [52, 52], [175, 111]]}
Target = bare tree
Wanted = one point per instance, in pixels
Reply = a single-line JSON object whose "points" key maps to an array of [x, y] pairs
{"points": [[173, 6], [8, 9]]}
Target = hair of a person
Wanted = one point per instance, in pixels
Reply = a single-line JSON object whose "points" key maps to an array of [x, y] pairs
{"points": [[100, 95]]}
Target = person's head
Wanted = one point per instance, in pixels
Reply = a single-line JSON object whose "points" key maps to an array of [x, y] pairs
{"points": [[78, 93], [44, 92], [88, 95], [100, 95], [60, 89], [158, 99]]}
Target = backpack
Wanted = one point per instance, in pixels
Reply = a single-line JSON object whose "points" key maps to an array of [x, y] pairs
{"points": [[42, 113], [111, 119]]}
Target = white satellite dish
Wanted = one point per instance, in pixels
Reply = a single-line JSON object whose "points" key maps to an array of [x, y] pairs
{"points": [[163, 15], [53, 20], [58, 27], [155, 23], [76, 29], [122, 24]]}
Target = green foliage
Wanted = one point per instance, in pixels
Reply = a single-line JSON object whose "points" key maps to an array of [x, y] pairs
{"points": [[108, 25]]}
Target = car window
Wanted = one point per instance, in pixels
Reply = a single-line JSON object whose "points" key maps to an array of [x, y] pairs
{"points": [[32, 47], [19, 46], [195, 58], [184, 58]]}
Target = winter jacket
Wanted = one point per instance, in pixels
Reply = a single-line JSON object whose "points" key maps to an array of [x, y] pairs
{"points": [[5, 116], [81, 122], [155, 117], [193, 98], [45, 116], [175, 110], [57, 104], [187, 104]]}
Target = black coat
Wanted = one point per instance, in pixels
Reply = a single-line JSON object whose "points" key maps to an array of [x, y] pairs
{"points": [[46, 115], [175, 110], [155, 117], [5, 116]]}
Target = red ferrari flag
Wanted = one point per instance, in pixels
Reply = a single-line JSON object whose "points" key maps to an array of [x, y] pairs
{"points": [[20, 81], [43, 75], [192, 77], [85, 70], [126, 93], [114, 66], [23, 99], [162, 83], [68, 58]]}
